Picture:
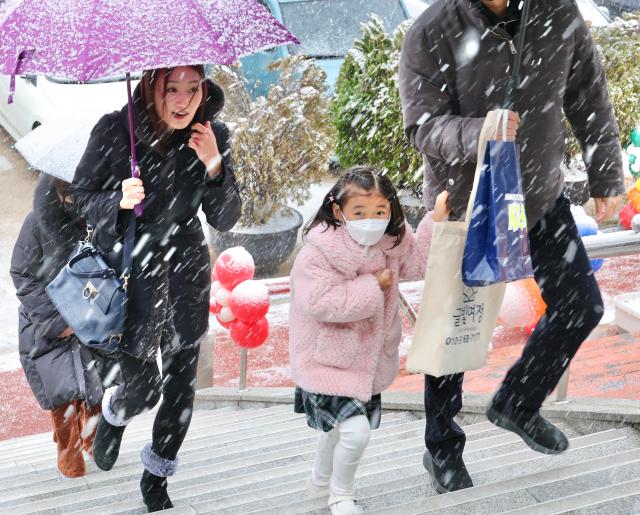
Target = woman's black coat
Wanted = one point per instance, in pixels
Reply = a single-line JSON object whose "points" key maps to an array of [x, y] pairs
{"points": [[57, 370], [170, 244]]}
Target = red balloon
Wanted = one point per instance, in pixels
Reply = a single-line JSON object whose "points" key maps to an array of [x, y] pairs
{"points": [[625, 215], [222, 323], [214, 307], [233, 266], [249, 301], [249, 335]]}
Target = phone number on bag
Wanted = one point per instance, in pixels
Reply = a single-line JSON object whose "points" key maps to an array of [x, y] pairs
{"points": [[464, 339]]}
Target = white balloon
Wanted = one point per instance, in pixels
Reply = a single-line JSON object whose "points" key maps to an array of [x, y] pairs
{"points": [[226, 315], [215, 286], [222, 297]]}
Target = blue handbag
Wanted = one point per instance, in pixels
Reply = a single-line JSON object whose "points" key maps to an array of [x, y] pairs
{"points": [[497, 244], [90, 296]]}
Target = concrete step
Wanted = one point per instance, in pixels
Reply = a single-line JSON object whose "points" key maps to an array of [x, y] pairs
{"points": [[258, 461], [137, 432], [223, 448], [513, 493], [412, 482], [199, 469]]}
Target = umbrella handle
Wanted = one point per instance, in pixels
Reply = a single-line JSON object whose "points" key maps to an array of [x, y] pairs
{"points": [[135, 169]]}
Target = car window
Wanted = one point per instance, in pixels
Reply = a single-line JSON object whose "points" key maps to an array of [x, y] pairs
{"points": [[327, 28], [592, 13], [103, 80]]}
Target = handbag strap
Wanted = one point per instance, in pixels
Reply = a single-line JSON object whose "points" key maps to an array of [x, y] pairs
{"points": [[127, 247]]}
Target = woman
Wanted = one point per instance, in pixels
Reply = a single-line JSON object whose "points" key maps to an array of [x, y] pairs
{"points": [[65, 377], [185, 164]]}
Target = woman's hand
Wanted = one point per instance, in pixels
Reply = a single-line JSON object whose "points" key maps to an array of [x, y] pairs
{"points": [[132, 193], [203, 141]]}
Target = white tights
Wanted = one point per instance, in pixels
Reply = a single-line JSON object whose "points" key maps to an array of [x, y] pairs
{"points": [[339, 453]]}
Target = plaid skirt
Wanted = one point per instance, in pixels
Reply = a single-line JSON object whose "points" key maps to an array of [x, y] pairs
{"points": [[325, 412]]}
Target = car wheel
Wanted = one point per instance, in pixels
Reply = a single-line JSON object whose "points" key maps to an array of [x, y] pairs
{"points": [[35, 125]]}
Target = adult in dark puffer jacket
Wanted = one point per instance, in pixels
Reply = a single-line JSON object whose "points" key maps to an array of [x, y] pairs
{"points": [[455, 66], [185, 164], [65, 377]]}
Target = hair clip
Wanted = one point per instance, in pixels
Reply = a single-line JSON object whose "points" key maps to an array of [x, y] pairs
{"points": [[332, 198]]}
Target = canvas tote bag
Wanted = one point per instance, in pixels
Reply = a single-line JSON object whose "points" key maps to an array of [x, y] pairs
{"points": [[455, 323]]}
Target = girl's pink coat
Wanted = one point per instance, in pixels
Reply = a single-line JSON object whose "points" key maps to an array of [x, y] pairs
{"points": [[344, 331]]}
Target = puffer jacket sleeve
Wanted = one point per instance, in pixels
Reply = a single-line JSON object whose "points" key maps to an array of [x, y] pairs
{"points": [[26, 263], [427, 108], [327, 296], [590, 114], [414, 263], [221, 202], [93, 184]]}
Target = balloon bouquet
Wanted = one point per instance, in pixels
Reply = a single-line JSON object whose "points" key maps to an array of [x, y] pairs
{"points": [[632, 207], [523, 306], [238, 302]]}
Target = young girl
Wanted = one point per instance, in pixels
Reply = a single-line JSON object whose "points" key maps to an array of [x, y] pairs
{"points": [[344, 323]]}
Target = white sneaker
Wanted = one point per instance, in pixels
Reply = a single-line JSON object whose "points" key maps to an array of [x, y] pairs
{"points": [[343, 505], [314, 490]]}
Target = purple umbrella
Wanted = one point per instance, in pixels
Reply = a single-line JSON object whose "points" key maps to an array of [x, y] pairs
{"points": [[92, 39]]}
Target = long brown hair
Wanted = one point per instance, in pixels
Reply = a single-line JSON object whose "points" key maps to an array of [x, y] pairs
{"points": [[147, 88]]}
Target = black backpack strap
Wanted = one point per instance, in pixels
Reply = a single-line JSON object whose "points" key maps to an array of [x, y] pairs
{"points": [[127, 247]]}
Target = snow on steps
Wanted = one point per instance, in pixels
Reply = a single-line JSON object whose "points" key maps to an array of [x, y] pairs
{"points": [[257, 461]]}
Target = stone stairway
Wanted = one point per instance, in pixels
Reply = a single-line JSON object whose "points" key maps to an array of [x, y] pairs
{"points": [[257, 461]]}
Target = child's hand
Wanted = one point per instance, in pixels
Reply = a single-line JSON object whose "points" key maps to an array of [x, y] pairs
{"points": [[441, 210], [385, 279]]}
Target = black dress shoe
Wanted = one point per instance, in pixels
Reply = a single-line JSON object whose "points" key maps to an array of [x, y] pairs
{"points": [[447, 475], [106, 444], [537, 432], [154, 492]]}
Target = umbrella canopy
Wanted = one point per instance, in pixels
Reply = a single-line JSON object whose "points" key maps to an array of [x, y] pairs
{"points": [[91, 39], [56, 147]]}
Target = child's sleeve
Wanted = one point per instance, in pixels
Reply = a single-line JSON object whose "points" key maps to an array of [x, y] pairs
{"points": [[414, 262], [325, 295]]}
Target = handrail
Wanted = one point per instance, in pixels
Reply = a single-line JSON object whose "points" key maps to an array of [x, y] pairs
{"points": [[613, 244]]}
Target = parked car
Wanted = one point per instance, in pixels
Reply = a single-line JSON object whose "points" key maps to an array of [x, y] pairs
{"points": [[327, 30], [619, 7], [39, 99]]}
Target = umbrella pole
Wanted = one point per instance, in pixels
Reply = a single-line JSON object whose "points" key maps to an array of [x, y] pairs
{"points": [[135, 169]]}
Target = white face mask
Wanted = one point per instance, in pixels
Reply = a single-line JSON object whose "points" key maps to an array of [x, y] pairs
{"points": [[366, 232]]}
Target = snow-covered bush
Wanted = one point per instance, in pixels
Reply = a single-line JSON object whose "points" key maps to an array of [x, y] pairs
{"points": [[281, 143], [366, 107], [619, 46]]}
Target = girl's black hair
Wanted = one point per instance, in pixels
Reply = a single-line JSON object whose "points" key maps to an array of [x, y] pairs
{"points": [[368, 179]]}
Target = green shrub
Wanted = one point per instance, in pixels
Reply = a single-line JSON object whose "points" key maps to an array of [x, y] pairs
{"points": [[619, 46], [366, 107], [281, 143]]}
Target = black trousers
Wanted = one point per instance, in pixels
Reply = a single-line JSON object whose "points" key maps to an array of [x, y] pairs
{"points": [[141, 389], [574, 308]]}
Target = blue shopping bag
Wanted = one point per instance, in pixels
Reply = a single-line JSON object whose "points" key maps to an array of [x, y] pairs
{"points": [[497, 245]]}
